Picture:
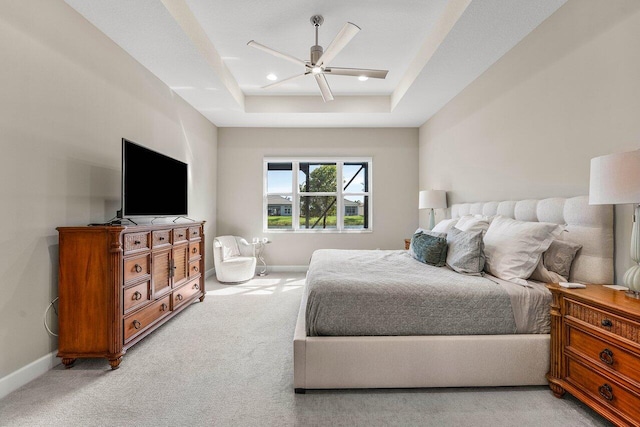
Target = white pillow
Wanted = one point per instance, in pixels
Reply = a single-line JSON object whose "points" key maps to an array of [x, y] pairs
{"points": [[445, 225], [513, 248], [473, 223]]}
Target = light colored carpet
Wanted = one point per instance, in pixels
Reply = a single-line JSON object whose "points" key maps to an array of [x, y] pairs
{"points": [[228, 362]]}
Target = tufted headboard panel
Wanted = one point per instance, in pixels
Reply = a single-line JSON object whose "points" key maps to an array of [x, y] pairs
{"points": [[588, 225]]}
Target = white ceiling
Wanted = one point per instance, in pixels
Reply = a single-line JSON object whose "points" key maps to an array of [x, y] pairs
{"points": [[432, 48]]}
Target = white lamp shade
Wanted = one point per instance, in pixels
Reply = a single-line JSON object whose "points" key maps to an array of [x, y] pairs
{"points": [[615, 179], [432, 199]]}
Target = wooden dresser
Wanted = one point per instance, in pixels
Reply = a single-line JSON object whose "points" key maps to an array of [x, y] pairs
{"points": [[119, 283], [595, 350]]}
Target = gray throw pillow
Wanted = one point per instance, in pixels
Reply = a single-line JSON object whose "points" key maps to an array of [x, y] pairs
{"points": [[429, 249], [555, 263], [466, 251]]}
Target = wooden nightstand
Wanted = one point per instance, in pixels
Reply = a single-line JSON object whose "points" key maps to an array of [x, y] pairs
{"points": [[595, 350], [407, 244]]}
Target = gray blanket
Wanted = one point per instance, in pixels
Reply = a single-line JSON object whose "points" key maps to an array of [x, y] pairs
{"points": [[352, 293]]}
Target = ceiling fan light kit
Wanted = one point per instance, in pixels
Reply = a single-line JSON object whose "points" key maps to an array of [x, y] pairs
{"points": [[318, 65]]}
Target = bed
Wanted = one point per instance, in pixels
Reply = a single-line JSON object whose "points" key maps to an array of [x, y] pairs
{"points": [[495, 352]]}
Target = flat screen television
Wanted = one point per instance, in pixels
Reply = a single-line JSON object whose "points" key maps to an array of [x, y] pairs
{"points": [[153, 185]]}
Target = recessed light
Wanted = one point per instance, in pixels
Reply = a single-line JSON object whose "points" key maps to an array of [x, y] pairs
{"points": [[272, 77], [363, 78]]}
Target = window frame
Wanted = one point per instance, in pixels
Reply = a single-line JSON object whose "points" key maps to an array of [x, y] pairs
{"points": [[296, 194]]}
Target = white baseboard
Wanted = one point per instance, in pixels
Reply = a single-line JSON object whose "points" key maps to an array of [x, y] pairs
{"points": [[210, 272], [27, 373], [288, 268]]}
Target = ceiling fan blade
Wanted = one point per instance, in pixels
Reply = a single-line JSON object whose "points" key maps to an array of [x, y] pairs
{"points": [[339, 42], [324, 87], [288, 79], [274, 52], [374, 74]]}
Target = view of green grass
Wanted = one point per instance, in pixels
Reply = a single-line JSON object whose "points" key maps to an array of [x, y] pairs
{"points": [[285, 221]]}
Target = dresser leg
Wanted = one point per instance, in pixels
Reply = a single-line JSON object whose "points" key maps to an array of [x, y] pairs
{"points": [[557, 390], [115, 363], [202, 298], [68, 362]]}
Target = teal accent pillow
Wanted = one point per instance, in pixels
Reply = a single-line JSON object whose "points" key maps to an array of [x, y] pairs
{"points": [[429, 248]]}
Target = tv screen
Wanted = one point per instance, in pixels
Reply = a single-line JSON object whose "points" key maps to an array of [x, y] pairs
{"points": [[152, 184]]}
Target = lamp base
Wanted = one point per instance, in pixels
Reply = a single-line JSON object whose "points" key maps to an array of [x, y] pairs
{"points": [[632, 279], [432, 219]]}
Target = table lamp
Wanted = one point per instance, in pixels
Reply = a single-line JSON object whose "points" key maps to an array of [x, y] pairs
{"points": [[615, 179], [432, 199]]}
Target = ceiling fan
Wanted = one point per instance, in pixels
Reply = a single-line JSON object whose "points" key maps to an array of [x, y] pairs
{"points": [[318, 66]]}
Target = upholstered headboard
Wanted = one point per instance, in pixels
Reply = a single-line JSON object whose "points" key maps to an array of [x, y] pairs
{"points": [[588, 225]]}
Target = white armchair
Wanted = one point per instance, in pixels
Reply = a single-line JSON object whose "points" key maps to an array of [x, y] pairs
{"points": [[234, 259]]}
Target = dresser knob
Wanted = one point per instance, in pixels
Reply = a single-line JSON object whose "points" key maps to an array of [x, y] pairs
{"points": [[195, 268], [160, 238], [606, 356], [164, 307], [196, 286], [179, 297], [136, 296], [136, 324], [136, 242], [606, 323], [137, 268], [606, 391], [180, 235], [194, 250]]}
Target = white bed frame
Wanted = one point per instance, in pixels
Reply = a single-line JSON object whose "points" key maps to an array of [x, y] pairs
{"points": [[461, 360]]}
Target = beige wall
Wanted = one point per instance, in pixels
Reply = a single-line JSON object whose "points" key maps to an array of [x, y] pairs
{"points": [[528, 127], [395, 191], [67, 96]]}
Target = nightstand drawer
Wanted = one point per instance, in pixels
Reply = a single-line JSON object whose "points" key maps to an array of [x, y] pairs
{"points": [[603, 390], [603, 320], [604, 354]]}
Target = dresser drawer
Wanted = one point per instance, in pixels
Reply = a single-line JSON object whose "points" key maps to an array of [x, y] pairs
{"points": [[194, 250], [136, 242], [194, 233], [136, 296], [603, 390], [604, 354], [161, 238], [136, 267], [180, 235], [140, 320], [603, 320], [194, 268], [185, 293]]}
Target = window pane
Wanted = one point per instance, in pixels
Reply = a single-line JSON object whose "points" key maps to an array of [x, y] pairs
{"points": [[355, 178], [317, 177], [318, 212], [279, 178], [356, 212], [279, 212]]}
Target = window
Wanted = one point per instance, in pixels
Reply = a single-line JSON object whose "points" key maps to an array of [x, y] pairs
{"points": [[304, 195]]}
